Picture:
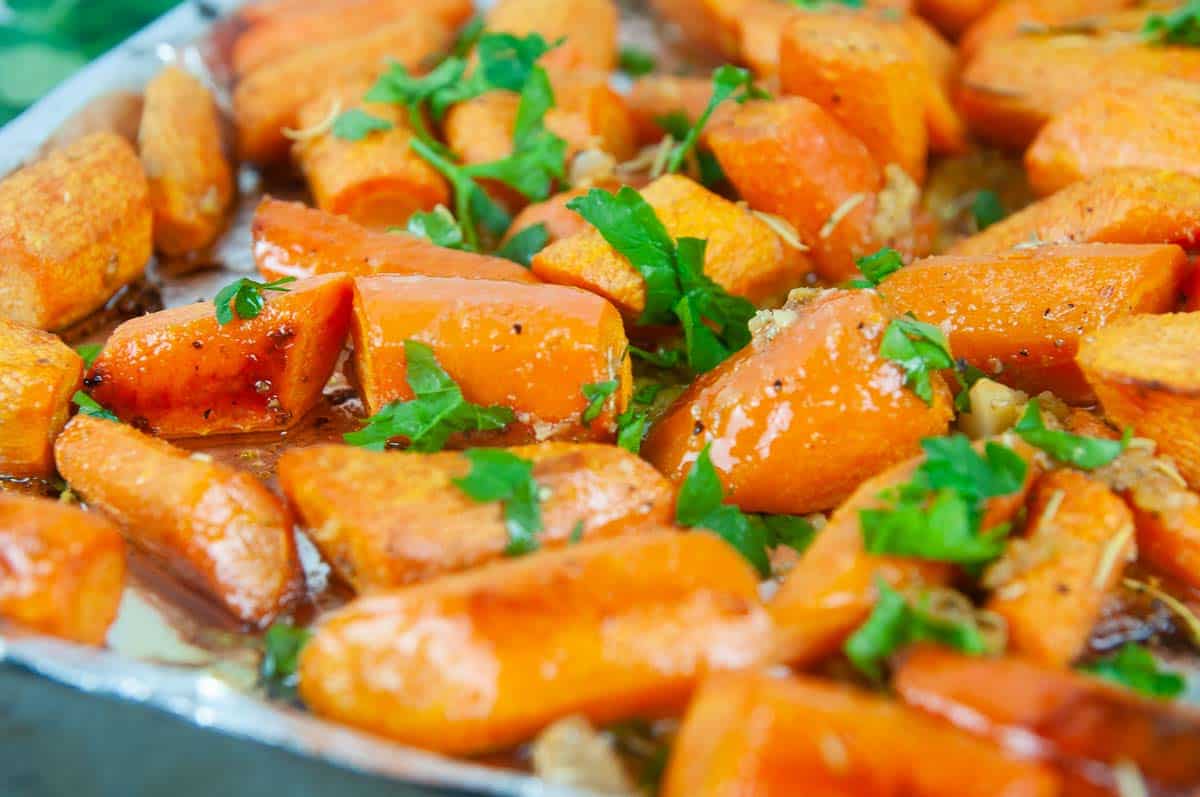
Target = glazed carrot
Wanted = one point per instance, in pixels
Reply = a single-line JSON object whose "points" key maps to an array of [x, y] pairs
{"points": [[1122, 206], [385, 519], [865, 74], [953, 16], [587, 28], [530, 348], [180, 373], [62, 570], [612, 629], [1019, 316], [1014, 86], [282, 35], [1080, 723], [191, 181], [377, 181], [269, 99], [707, 24], [1150, 126], [218, 529], [74, 229], [805, 413], [1080, 537], [1168, 535], [751, 733], [831, 591], [560, 221], [40, 374], [947, 130], [1010, 18], [655, 97], [1143, 371], [291, 240], [745, 255]]}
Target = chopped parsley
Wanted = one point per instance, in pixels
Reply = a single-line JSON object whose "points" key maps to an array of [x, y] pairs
{"points": [[662, 358], [89, 406], [700, 504], [245, 298], [521, 247], [967, 375], [792, 531], [987, 209], [282, 645], [1073, 449], [631, 424], [89, 352], [597, 394], [497, 475], [636, 62], [1134, 667], [1181, 26], [437, 411], [356, 124], [677, 126], [920, 349], [729, 82], [877, 267], [438, 226]]}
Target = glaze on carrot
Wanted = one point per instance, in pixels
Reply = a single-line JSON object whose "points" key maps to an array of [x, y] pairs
{"points": [[40, 374]]}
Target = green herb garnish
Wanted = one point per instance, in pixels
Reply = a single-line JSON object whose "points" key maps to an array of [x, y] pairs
{"points": [[497, 475], [438, 226], [356, 124], [967, 375], [245, 297], [920, 349], [662, 358], [729, 82], [89, 352], [89, 406], [1134, 668], [597, 394], [1073, 449], [700, 504], [677, 126], [636, 62], [877, 267], [521, 247], [987, 209], [282, 645], [1181, 26]]}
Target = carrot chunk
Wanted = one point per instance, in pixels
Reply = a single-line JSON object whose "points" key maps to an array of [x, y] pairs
{"points": [[180, 373], [707, 24], [62, 570], [74, 229], [953, 16], [587, 28], [39, 376], [656, 97], [220, 530], [612, 629]]}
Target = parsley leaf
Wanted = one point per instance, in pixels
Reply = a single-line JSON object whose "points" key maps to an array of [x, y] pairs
{"points": [[1082, 452], [877, 267], [631, 429], [438, 226], [521, 247], [437, 411], [728, 81], [895, 623], [282, 645], [246, 298], [89, 406], [597, 394], [1134, 668], [662, 358], [677, 125], [89, 352], [987, 209], [635, 62], [920, 349], [468, 38], [356, 124], [1181, 26], [967, 375], [497, 475], [700, 504], [791, 530]]}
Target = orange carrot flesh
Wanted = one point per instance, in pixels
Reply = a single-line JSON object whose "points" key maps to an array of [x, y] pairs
{"points": [[707, 24], [588, 29], [1020, 315], [387, 519], [180, 373], [1010, 18], [62, 570], [655, 97], [948, 134], [953, 16], [41, 373], [220, 530], [612, 629]]}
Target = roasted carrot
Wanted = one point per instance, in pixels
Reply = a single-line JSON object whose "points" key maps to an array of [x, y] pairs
{"points": [[953, 16], [707, 24], [865, 74], [1151, 126], [612, 629], [1015, 17], [377, 181], [1082, 725], [1078, 540], [74, 229], [62, 570], [752, 733], [40, 374], [291, 240], [218, 529], [269, 99], [560, 221], [1121, 206], [191, 181], [805, 413], [387, 519], [587, 29], [656, 97], [1168, 535], [530, 348], [1143, 369], [745, 255], [180, 373], [1019, 315], [284, 34], [947, 130]]}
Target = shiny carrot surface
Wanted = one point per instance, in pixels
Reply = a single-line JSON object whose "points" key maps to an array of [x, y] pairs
{"points": [[40, 374]]}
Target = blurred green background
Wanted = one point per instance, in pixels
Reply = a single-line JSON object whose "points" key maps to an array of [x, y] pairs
{"points": [[42, 42]]}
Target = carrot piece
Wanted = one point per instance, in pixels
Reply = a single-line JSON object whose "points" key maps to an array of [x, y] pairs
{"points": [[1149, 126], [1144, 371], [387, 519], [377, 181], [40, 374], [706, 24], [751, 733], [745, 255], [1019, 315], [531, 348], [790, 158], [1080, 536], [947, 130], [953, 16], [179, 373], [62, 570], [191, 181], [219, 529], [1081, 724], [611, 629], [260, 12], [291, 240], [1121, 206], [865, 74], [587, 28], [74, 229], [269, 99], [831, 591], [560, 221], [287, 32], [1168, 535], [805, 413], [1014, 86], [655, 97], [1011, 18]]}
